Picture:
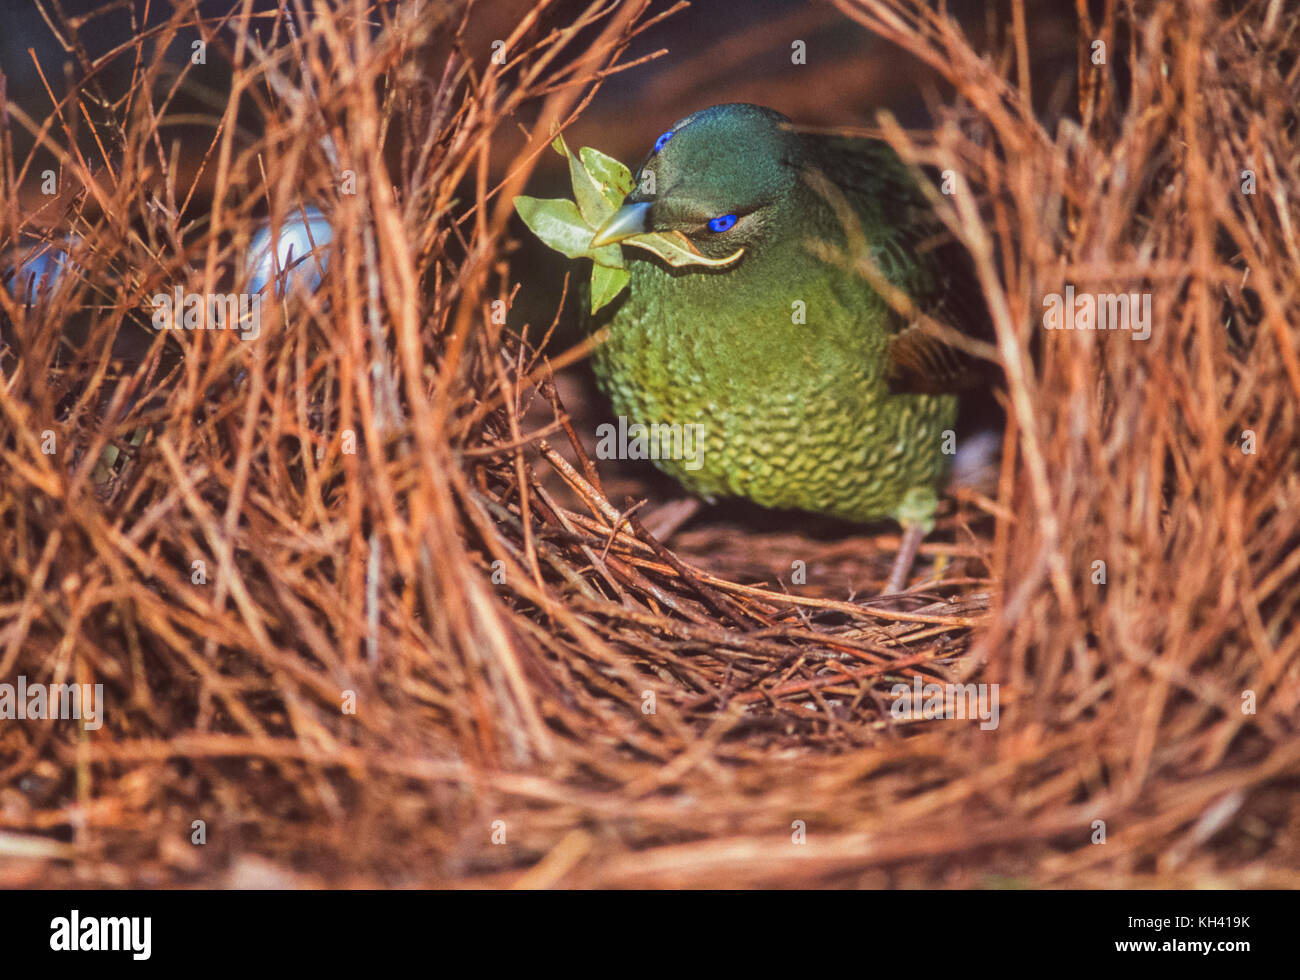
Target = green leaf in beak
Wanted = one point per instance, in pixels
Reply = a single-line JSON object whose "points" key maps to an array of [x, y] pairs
{"points": [[606, 284], [600, 185], [559, 224], [676, 249]]}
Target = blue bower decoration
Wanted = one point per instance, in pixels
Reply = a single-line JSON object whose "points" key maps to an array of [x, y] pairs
{"points": [[28, 275], [292, 258]]}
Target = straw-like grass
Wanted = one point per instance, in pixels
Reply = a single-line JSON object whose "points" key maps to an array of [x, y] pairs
{"points": [[360, 604]]}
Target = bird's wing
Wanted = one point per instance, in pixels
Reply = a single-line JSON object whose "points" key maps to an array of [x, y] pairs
{"points": [[918, 254]]}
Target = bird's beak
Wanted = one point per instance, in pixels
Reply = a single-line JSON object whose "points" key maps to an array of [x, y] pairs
{"points": [[629, 220]]}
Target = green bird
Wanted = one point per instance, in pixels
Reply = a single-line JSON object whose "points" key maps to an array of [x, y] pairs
{"points": [[812, 392]]}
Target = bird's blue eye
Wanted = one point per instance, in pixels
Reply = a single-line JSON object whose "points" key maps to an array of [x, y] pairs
{"points": [[659, 143], [723, 223]]}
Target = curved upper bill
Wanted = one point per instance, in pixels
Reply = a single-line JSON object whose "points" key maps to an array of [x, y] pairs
{"points": [[629, 220]]}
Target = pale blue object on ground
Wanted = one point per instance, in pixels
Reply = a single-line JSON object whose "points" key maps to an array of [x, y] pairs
{"points": [[293, 259], [35, 269]]}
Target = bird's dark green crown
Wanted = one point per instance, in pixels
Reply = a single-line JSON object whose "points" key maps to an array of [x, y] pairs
{"points": [[719, 177]]}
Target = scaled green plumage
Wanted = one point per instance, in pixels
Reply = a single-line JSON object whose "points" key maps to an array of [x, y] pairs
{"points": [[805, 415]]}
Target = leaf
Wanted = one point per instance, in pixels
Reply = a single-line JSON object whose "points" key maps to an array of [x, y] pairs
{"points": [[615, 180], [676, 249], [592, 196], [600, 183], [559, 224], [592, 199], [606, 284]]}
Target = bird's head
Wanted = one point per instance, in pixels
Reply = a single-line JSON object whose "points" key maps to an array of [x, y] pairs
{"points": [[719, 176]]}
